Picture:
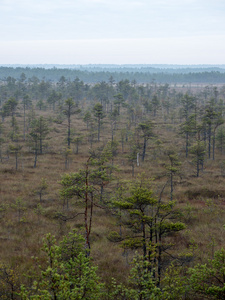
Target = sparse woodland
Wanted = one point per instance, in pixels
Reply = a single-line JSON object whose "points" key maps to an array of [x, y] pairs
{"points": [[111, 190]]}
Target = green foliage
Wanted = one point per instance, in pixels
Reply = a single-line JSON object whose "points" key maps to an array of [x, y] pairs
{"points": [[220, 139], [172, 168], [9, 107], [118, 101], [155, 104], [39, 132], [14, 133], [87, 118], [73, 185], [39, 210], [99, 115], [53, 98], [85, 185], [146, 129], [16, 150], [26, 101], [150, 220], [70, 108], [209, 279], [141, 283], [9, 281], [68, 273], [114, 237], [98, 111], [20, 207], [41, 105], [198, 150], [188, 104], [174, 285], [41, 190]]}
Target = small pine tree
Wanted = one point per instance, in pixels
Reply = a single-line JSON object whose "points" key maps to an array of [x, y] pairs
{"points": [[41, 189], [198, 151], [69, 274]]}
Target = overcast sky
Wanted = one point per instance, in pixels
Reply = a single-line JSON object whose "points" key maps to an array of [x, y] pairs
{"points": [[112, 31]]}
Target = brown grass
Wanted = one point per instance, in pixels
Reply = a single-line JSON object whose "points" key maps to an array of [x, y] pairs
{"points": [[201, 199]]}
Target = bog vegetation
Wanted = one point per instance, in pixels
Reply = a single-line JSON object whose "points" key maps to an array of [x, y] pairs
{"points": [[111, 190]]}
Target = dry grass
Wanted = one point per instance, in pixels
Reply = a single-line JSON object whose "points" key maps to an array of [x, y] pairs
{"points": [[201, 199]]}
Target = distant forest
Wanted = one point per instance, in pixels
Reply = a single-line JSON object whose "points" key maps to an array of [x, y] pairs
{"points": [[141, 74]]}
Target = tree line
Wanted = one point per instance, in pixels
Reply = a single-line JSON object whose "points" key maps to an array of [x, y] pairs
{"points": [[140, 75]]}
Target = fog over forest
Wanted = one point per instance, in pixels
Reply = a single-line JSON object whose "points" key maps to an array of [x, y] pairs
{"points": [[93, 73]]}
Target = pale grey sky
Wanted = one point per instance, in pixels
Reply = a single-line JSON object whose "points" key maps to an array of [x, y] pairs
{"points": [[112, 31]]}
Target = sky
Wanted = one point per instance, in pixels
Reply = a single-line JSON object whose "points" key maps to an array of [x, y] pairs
{"points": [[112, 32]]}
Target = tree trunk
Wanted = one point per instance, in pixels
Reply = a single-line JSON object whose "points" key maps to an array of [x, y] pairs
{"points": [[35, 156], [171, 186], [87, 227], [112, 131], [144, 149], [187, 140], [144, 240], [16, 161], [159, 259], [40, 145], [99, 129], [68, 137], [197, 167], [209, 149], [24, 124], [133, 170]]}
